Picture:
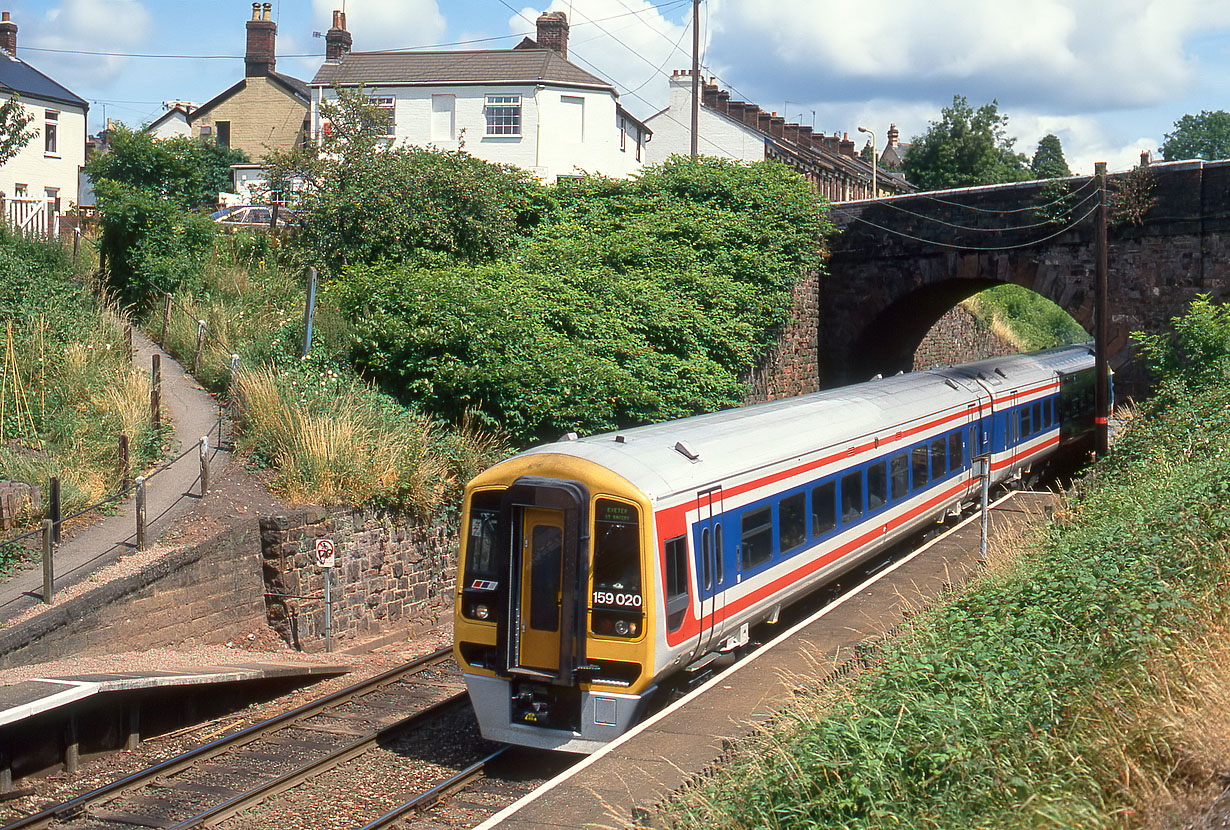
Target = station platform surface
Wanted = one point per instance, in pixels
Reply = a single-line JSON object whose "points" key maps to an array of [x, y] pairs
{"points": [[620, 784], [37, 696]]}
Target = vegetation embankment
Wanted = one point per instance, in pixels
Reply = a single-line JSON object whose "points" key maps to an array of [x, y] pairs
{"points": [[461, 300], [1026, 320], [1080, 684], [68, 390]]}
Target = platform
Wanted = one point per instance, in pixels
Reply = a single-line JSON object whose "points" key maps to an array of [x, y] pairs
{"points": [[622, 783]]}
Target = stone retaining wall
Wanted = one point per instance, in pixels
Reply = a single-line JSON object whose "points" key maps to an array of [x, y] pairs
{"points": [[390, 574], [958, 337], [791, 368]]}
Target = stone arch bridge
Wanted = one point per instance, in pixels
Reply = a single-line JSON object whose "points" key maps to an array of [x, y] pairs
{"points": [[897, 265]]}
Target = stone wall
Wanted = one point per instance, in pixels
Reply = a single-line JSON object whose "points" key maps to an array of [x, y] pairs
{"points": [[958, 337], [390, 574], [209, 593], [790, 368]]}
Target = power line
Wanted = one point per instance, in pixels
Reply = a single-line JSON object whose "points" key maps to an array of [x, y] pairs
{"points": [[1042, 223], [996, 210]]}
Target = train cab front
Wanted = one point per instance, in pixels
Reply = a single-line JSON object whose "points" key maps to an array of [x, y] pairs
{"points": [[551, 630]]}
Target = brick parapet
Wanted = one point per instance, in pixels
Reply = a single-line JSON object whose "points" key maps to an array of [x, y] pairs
{"points": [[391, 573]]}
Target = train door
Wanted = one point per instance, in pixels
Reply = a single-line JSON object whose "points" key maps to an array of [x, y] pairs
{"points": [[542, 546], [710, 577]]}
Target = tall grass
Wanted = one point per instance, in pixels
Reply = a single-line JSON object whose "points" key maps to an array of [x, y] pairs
{"points": [[1059, 691]]}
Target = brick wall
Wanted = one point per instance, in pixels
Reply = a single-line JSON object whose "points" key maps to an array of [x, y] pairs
{"points": [[790, 368], [263, 115], [390, 574], [206, 594], [958, 337]]}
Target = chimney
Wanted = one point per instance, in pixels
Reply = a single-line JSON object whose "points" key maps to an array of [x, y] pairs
{"points": [[892, 135], [1145, 158], [8, 35], [260, 60], [553, 32], [847, 146], [337, 40]]}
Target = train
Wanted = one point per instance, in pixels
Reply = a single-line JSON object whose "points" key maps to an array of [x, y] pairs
{"points": [[596, 573]]}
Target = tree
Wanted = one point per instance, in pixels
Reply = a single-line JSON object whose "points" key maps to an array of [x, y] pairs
{"points": [[14, 128], [965, 147], [190, 172], [1204, 136], [1049, 162], [362, 200]]}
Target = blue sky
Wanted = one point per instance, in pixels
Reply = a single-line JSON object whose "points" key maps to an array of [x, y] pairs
{"points": [[1109, 78]]}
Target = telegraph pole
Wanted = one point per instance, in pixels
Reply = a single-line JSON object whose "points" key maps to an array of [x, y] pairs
{"points": [[1101, 414], [695, 74]]}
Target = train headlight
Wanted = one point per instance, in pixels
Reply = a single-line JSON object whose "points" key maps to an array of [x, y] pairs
{"points": [[622, 628], [481, 612]]}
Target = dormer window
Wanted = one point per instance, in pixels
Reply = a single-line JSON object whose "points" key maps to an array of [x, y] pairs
{"points": [[503, 114]]}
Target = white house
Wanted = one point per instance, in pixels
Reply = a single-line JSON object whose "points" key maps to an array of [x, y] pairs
{"points": [[41, 182], [743, 131], [527, 106], [173, 122]]}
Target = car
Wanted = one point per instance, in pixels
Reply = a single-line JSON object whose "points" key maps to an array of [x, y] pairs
{"points": [[254, 217]]}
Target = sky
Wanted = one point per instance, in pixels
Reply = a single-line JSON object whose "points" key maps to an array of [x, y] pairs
{"points": [[1109, 78]]}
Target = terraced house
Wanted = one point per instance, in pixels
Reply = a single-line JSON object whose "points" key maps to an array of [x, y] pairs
{"points": [[42, 182], [527, 106]]}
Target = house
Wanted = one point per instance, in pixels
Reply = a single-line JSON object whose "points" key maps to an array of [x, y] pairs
{"points": [[174, 122], [264, 111], [41, 182], [527, 106], [893, 156], [743, 131]]}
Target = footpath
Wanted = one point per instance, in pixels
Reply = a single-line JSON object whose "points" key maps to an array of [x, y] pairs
{"points": [[171, 492]]}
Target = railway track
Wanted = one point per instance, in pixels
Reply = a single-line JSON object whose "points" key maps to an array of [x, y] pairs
{"points": [[219, 781]]}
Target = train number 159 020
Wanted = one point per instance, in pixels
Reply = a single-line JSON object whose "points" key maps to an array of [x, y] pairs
{"points": [[619, 600]]}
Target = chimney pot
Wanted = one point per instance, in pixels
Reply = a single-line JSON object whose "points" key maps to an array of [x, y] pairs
{"points": [[256, 11], [260, 57], [267, 11]]}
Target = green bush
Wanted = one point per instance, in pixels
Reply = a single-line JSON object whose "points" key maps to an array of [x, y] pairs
{"points": [[1031, 321]]}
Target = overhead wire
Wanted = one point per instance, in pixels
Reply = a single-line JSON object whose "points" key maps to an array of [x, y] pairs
{"points": [[1039, 224], [976, 209]]}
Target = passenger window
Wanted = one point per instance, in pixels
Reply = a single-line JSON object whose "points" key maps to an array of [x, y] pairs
{"points": [[482, 561], [792, 519], [918, 462], [1046, 414], [823, 509], [617, 547], [900, 475], [1037, 416], [757, 537], [877, 486], [717, 553], [1025, 430], [956, 458], [706, 567], [938, 451], [851, 497], [676, 582]]}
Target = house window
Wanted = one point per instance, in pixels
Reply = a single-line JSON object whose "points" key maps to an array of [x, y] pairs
{"points": [[623, 136], [207, 131], [224, 133], [503, 114], [50, 129], [638, 146], [384, 106], [20, 191], [53, 200], [572, 127]]}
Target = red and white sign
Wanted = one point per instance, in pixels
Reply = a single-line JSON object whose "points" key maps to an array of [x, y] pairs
{"points": [[325, 554]]}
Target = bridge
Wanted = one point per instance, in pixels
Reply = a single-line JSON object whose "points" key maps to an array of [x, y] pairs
{"points": [[897, 265]]}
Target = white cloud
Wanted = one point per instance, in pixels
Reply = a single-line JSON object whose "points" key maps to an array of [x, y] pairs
{"points": [[91, 25], [384, 24]]}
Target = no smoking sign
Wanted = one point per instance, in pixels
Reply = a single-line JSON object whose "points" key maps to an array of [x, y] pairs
{"points": [[325, 553]]}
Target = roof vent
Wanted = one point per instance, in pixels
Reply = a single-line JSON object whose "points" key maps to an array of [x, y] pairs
{"points": [[1000, 372], [568, 436], [619, 439], [949, 382], [687, 452]]}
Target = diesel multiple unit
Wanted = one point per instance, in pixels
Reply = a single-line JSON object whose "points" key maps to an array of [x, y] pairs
{"points": [[594, 571]]}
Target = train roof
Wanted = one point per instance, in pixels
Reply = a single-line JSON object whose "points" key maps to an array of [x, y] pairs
{"points": [[657, 458]]}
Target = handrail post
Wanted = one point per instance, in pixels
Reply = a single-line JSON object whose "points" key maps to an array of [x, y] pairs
{"points": [[155, 394], [56, 509], [48, 570], [166, 319], [200, 343], [123, 462], [140, 512], [204, 465]]}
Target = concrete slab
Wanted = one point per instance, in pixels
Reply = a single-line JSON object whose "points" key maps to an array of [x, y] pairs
{"points": [[43, 694]]}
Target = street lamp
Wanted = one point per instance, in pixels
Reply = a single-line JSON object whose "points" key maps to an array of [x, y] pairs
{"points": [[875, 192]]}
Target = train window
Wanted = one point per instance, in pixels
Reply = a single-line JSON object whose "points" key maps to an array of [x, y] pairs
{"points": [[1046, 413], [1037, 416], [757, 537], [717, 553], [546, 550], [617, 553], [851, 497], [918, 464], [938, 452], [1025, 421], [956, 458], [706, 565], [823, 509], [480, 553], [792, 521], [675, 581], [900, 475], [877, 486]]}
